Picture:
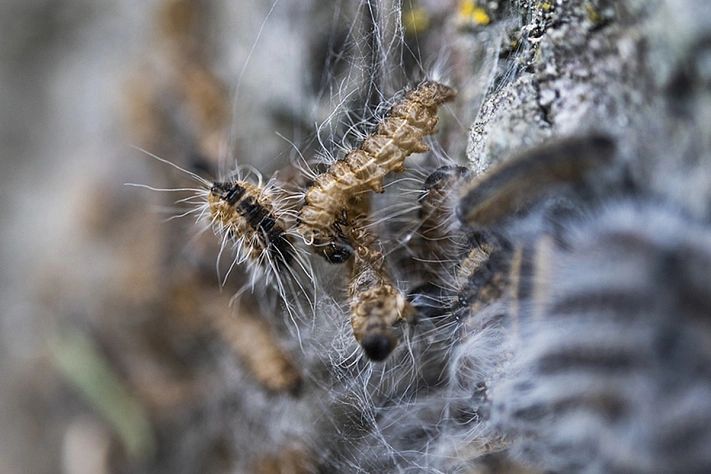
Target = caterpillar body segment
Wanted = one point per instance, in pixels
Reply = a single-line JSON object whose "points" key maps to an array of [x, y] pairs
{"points": [[327, 202], [376, 305], [245, 212], [248, 334], [525, 179], [441, 238]]}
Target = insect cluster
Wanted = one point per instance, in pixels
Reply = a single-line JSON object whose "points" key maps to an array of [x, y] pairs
{"points": [[528, 321], [334, 217], [526, 230]]}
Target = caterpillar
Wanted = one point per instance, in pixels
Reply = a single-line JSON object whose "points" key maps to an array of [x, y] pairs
{"points": [[376, 305], [254, 219], [324, 218], [525, 178], [251, 217], [495, 206], [597, 303], [519, 218], [245, 212], [249, 336], [238, 210], [441, 241]]}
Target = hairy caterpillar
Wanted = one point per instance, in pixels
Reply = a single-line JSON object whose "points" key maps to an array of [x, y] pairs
{"points": [[520, 217], [513, 185], [599, 301], [245, 212], [613, 345], [253, 219], [324, 217], [440, 239], [249, 336], [494, 263], [238, 210], [187, 101], [494, 266], [376, 305], [250, 217]]}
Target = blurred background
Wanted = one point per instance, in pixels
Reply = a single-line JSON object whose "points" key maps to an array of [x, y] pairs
{"points": [[63, 156], [89, 266]]}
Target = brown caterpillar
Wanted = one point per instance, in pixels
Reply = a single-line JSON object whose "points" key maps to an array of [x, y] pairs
{"points": [[249, 336], [188, 87], [324, 216], [250, 217], [441, 241], [376, 305], [496, 268], [516, 183], [245, 212]]}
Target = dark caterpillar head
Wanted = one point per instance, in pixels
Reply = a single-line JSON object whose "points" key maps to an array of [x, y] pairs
{"points": [[429, 300], [440, 178], [378, 346], [338, 251], [230, 192]]}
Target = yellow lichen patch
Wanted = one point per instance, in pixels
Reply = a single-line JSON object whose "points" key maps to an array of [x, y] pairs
{"points": [[593, 15], [470, 11]]}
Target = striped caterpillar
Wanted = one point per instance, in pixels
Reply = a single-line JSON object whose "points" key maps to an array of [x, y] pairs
{"points": [[252, 218], [518, 217], [324, 218], [245, 212], [494, 263], [596, 296]]}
